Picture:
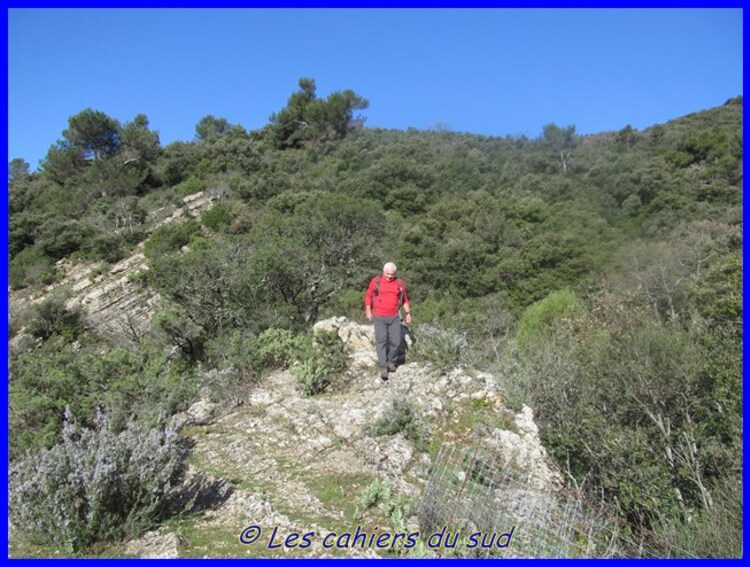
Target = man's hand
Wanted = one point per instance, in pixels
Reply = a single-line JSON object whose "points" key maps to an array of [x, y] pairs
{"points": [[408, 318], [368, 314]]}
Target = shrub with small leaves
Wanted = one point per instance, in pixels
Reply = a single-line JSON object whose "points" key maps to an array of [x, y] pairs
{"points": [[236, 349], [97, 485], [31, 266], [312, 376], [170, 238], [52, 317], [401, 417], [276, 348], [190, 186], [330, 348], [217, 218], [320, 357], [226, 386], [444, 349], [538, 321]]}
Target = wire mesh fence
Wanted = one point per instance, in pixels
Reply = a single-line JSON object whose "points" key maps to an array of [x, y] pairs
{"points": [[484, 507]]}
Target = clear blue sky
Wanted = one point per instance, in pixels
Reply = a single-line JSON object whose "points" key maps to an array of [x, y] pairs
{"points": [[487, 71]]}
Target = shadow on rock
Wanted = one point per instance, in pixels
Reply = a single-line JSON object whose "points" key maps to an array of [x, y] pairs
{"points": [[199, 493]]}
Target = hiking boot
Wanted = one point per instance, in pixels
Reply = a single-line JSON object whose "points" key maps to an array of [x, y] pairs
{"points": [[384, 374], [391, 367]]}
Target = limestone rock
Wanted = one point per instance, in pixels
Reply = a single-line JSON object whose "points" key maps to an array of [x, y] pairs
{"points": [[200, 413], [524, 451], [359, 340], [158, 544], [112, 299]]}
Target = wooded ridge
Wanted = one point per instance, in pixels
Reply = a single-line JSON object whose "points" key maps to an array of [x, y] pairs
{"points": [[597, 278]]}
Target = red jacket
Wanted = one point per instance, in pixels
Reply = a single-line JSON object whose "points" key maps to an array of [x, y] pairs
{"points": [[386, 302]]}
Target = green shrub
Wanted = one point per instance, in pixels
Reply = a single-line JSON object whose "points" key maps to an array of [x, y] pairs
{"points": [[312, 376], [60, 238], [443, 348], [315, 360], [96, 485], [131, 385], [401, 417], [190, 187], [622, 398], [31, 266], [538, 320], [52, 317], [329, 348], [170, 238], [111, 248], [238, 350], [199, 242], [181, 331], [217, 217], [276, 348]]}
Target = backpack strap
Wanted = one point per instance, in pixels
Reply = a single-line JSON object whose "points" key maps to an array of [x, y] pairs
{"points": [[401, 289]]}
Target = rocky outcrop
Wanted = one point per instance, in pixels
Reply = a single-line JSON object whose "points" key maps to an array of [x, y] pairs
{"points": [[111, 298], [297, 449], [522, 450]]}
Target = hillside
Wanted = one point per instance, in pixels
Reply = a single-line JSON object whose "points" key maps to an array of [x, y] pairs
{"points": [[593, 280]]}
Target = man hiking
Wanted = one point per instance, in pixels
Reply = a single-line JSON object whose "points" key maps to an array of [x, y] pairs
{"points": [[385, 297]]}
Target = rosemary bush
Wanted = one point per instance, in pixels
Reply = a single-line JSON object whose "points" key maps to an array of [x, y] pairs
{"points": [[96, 484]]}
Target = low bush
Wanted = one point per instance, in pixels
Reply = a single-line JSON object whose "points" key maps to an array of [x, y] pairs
{"points": [[539, 318], [189, 187], [329, 348], [236, 349], [31, 266], [401, 417], [276, 348], [443, 348], [96, 485], [318, 358], [312, 376], [52, 317], [61, 237], [170, 238], [217, 218], [111, 247], [133, 385]]}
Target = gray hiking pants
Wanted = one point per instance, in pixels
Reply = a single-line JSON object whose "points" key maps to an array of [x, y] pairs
{"points": [[387, 339]]}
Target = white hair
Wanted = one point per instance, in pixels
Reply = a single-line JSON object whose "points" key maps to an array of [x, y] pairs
{"points": [[389, 267]]}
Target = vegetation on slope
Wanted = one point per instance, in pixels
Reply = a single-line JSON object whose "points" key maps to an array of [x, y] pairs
{"points": [[614, 259]]}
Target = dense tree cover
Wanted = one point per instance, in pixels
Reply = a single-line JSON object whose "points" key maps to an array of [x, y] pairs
{"points": [[616, 257]]}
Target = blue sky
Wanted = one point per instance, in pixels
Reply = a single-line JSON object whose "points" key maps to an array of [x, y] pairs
{"points": [[494, 72]]}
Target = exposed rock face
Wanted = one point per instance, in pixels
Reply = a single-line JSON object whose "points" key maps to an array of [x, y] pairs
{"points": [[524, 451], [112, 299]]}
